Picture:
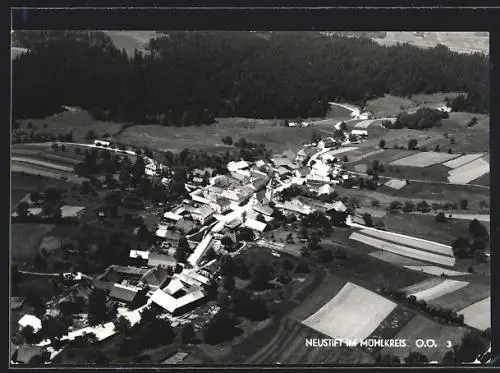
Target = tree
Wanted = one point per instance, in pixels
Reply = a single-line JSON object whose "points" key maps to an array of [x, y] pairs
{"points": [[227, 242], [412, 144], [423, 206], [450, 151], [441, 217], [53, 327], [229, 283], [315, 137], [90, 136], [408, 206], [183, 250], [55, 147], [472, 122], [187, 333], [452, 140], [324, 256], [261, 277], [395, 205], [381, 144], [245, 234], [478, 230], [367, 218], [63, 148], [463, 204], [97, 309], [470, 347], [461, 247], [416, 358], [228, 267], [228, 140], [28, 334], [22, 209], [122, 325]]}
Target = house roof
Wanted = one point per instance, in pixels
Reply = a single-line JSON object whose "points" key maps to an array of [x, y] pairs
{"points": [[200, 249], [31, 320], [325, 189], [281, 170], [339, 206], [260, 163], [164, 300], [200, 199], [214, 190], [233, 223], [259, 183], [255, 225], [279, 161], [155, 276], [139, 254], [27, 352], [170, 215], [204, 211], [266, 210], [172, 235], [223, 202], [197, 180], [173, 286], [156, 259], [232, 166], [296, 207], [123, 293]]}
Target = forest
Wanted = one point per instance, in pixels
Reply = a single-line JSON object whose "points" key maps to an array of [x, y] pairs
{"points": [[189, 78]]}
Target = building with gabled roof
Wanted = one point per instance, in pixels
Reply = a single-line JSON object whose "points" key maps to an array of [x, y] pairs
{"points": [[263, 209], [200, 249], [124, 293], [255, 225], [234, 223], [174, 286], [156, 277], [221, 205], [135, 254], [185, 226], [233, 166], [202, 214], [161, 260], [295, 207], [339, 206]]}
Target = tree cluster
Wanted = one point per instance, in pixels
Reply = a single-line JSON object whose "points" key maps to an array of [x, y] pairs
{"points": [[209, 74]]}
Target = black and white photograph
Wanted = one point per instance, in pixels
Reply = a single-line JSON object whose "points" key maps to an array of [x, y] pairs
{"points": [[249, 198]]}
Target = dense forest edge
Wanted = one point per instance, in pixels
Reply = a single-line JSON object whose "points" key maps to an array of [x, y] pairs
{"points": [[189, 78]]}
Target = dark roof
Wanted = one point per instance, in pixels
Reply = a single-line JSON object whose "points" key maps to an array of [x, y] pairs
{"points": [[221, 201], [122, 293], [156, 259], [26, 352], [155, 276], [103, 285]]}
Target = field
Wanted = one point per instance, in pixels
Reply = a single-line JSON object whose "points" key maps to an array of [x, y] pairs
{"points": [[469, 172], [288, 346], [423, 159], [357, 155], [393, 323], [423, 285], [436, 271], [209, 138], [395, 184], [426, 227], [478, 315], [346, 315], [48, 164], [422, 328], [76, 120], [461, 42], [443, 193], [444, 287], [410, 241], [402, 250], [394, 258], [460, 161], [464, 297], [25, 239]]}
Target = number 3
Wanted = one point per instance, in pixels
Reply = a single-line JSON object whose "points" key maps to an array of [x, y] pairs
{"points": [[449, 344]]}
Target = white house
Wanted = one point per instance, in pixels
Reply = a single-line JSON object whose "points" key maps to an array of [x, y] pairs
{"points": [[240, 165], [329, 142], [361, 133], [255, 225], [102, 143], [30, 320]]}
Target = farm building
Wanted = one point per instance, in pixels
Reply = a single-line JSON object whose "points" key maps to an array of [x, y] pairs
{"points": [[233, 166], [30, 320], [339, 206], [178, 306], [135, 254], [241, 175], [161, 260], [239, 195], [255, 225], [171, 237], [174, 287], [234, 223], [202, 214], [221, 205], [360, 133], [102, 143], [263, 209], [212, 192], [283, 162], [329, 142], [124, 293], [200, 249], [156, 277], [295, 207], [325, 189], [259, 183]]}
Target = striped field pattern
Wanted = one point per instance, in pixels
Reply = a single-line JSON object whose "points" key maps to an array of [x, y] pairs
{"points": [[478, 315], [460, 161], [468, 172], [443, 288], [424, 159]]}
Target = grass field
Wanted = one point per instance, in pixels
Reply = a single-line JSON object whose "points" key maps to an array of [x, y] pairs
{"points": [[393, 323], [210, 137], [403, 250], [25, 239], [439, 290], [464, 297], [423, 159], [288, 346], [353, 313], [394, 258], [426, 227], [469, 172], [443, 193], [421, 327], [78, 121], [435, 271], [478, 315]]}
